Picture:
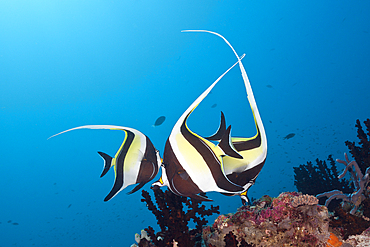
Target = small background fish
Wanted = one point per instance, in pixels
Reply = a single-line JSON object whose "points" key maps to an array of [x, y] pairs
{"points": [[159, 121], [288, 136]]}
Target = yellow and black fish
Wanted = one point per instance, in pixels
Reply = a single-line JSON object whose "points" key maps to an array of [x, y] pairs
{"points": [[136, 161], [253, 150], [192, 164]]}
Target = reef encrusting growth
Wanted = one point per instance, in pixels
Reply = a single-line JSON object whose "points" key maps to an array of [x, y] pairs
{"points": [[173, 219], [361, 240], [291, 219]]}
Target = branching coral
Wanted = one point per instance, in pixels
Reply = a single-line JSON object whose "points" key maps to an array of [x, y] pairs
{"points": [[315, 179], [324, 182], [173, 218], [360, 182], [361, 153], [287, 220], [356, 196]]}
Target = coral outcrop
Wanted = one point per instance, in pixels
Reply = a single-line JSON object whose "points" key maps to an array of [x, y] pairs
{"points": [[361, 240], [291, 219], [347, 224]]}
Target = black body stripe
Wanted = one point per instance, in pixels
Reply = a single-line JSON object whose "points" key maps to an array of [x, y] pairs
{"points": [[173, 168], [250, 144], [210, 159], [246, 176], [120, 162], [148, 167]]}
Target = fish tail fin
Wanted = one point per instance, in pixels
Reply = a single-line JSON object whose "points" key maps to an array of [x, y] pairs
{"points": [[107, 163]]}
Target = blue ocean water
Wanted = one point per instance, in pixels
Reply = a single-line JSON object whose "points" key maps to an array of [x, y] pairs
{"points": [[69, 63]]}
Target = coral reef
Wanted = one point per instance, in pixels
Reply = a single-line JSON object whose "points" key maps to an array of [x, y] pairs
{"points": [[360, 182], [304, 200], [291, 219], [173, 219], [142, 237], [351, 216], [348, 224], [230, 241], [325, 182], [361, 153], [362, 240], [315, 179]]}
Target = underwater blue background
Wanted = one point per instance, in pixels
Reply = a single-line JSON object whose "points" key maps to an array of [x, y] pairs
{"points": [[69, 63]]}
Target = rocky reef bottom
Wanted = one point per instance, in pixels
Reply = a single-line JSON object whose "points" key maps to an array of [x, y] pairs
{"points": [[291, 219]]}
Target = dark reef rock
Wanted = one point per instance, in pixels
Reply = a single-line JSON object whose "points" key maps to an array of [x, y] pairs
{"points": [[347, 223]]}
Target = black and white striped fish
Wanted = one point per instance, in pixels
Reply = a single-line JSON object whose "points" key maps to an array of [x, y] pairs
{"points": [[136, 161], [192, 164], [253, 150]]}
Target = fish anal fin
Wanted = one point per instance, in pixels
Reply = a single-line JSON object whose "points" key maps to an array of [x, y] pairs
{"points": [[107, 163], [227, 146], [200, 198], [137, 187]]}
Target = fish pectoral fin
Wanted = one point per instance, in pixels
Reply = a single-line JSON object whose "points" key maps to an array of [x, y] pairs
{"points": [[183, 174], [107, 163], [227, 146], [221, 130], [140, 155]]}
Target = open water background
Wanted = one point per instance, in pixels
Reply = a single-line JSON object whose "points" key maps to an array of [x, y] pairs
{"points": [[69, 63]]}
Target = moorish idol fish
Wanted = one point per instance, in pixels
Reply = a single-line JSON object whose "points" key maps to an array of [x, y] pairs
{"points": [[253, 150], [136, 161], [192, 164]]}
